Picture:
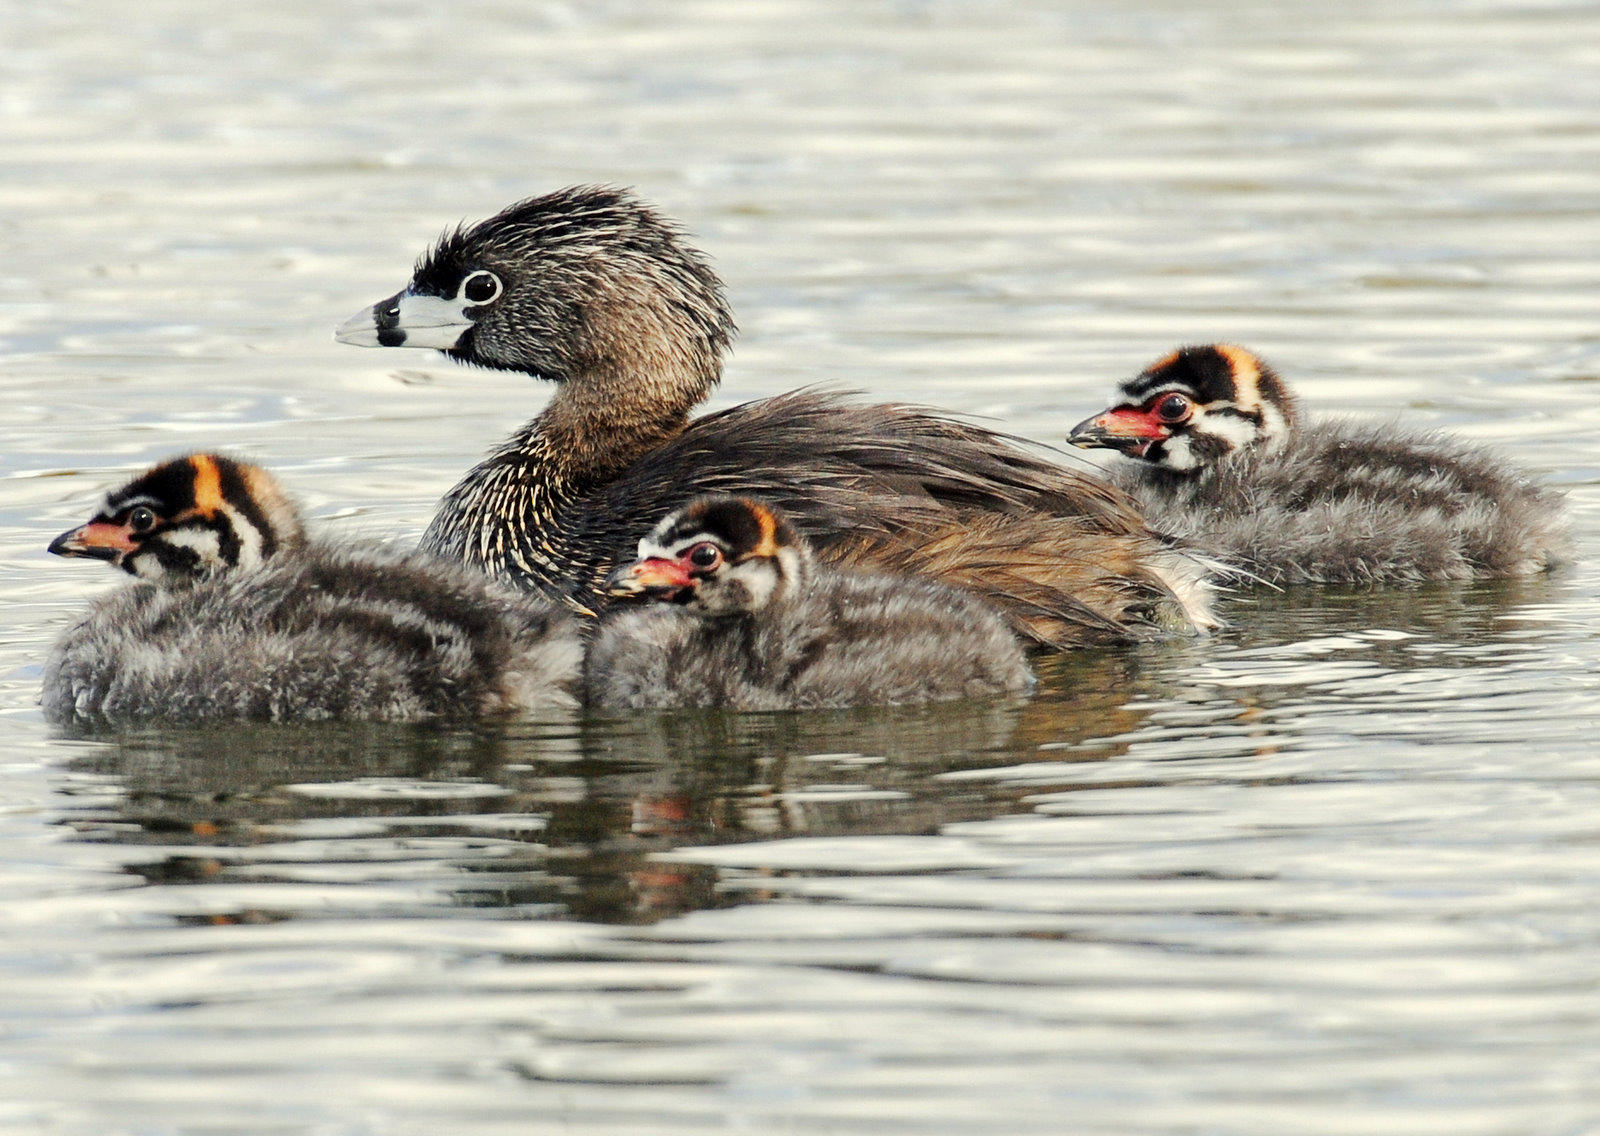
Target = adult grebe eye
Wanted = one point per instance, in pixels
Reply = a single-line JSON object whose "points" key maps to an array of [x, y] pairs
{"points": [[141, 520], [481, 287], [1173, 408], [705, 555]]}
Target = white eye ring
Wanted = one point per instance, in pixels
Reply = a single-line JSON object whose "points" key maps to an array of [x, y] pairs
{"points": [[482, 287]]}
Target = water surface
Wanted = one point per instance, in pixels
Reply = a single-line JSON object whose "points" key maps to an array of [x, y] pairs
{"points": [[1332, 870]]}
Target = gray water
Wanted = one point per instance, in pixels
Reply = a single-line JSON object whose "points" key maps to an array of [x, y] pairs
{"points": [[1334, 870]]}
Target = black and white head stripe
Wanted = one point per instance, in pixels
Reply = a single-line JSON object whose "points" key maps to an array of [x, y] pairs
{"points": [[1194, 408], [1216, 376], [718, 556], [191, 516], [741, 528]]}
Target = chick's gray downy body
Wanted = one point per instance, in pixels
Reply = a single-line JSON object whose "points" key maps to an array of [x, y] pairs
{"points": [[1223, 458], [593, 291], [212, 629], [769, 628]]}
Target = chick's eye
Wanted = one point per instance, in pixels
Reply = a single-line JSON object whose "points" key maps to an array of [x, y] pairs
{"points": [[481, 287], [705, 556], [1173, 408], [141, 520]]}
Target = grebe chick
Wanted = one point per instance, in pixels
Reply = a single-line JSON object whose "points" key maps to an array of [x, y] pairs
{"points": [[235, 614], [1225, 460], [589, 289], [754, 622]]}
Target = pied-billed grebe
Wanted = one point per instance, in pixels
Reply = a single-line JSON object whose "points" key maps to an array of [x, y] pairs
{"points": [[752, 622], [1224, 459], [591, 290], [237, 615]]}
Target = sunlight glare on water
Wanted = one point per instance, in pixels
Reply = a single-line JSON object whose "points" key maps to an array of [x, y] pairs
{"points": [[1331, 870]]}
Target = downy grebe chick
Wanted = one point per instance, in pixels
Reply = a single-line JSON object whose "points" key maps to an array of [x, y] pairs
{"points": [[753, 622], [236, 615], [1225, 460], [593, 291]]}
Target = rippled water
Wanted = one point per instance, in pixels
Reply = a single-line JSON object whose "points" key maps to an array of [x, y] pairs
{"points": [[1333, 870]]}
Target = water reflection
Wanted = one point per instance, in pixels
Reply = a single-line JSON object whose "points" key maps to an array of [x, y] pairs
{"points": [[566, 817], [556, 818]]}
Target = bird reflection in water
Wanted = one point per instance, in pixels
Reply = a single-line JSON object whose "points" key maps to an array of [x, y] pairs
{"points": [[574, 817], [556, 817]]}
